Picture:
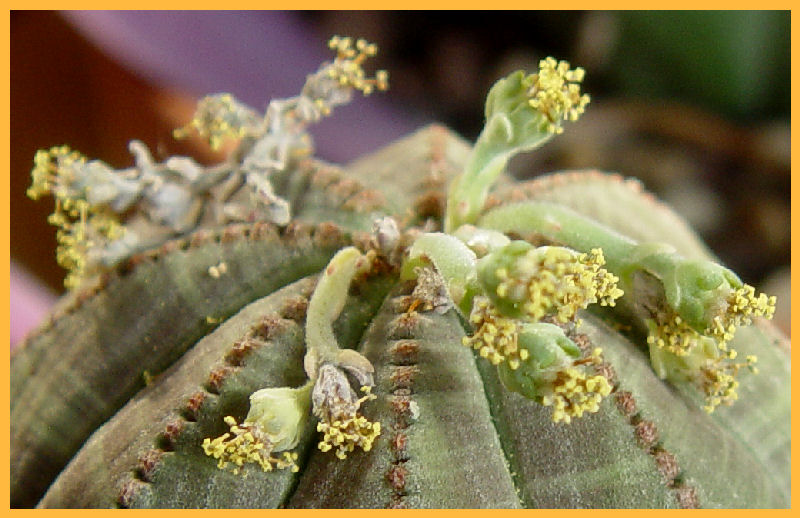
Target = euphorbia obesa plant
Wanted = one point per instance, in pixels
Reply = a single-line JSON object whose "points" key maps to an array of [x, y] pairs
{"points": [[413, 330]]}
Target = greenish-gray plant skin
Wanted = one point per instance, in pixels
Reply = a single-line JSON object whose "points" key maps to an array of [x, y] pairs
{"points": [[338, 374]]}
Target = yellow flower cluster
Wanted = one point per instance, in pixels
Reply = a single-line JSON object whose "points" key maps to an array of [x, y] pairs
{"points": [[346, 432], [79, 223], [48, 164], [574, 393], [246, 444], [556, 93], [742, 305], [347, 70], [555, 278], [217, 118], [717, 376], [673, 335], [719, 381], [496, 337]]}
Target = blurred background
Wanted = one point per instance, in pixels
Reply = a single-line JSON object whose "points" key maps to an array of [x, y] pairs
{"points": [[694, 104]]}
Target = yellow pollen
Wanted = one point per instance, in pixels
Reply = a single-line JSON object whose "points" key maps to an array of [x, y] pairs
{"points": [[346, 68], [718, 381], [495, 337], [742, 306], [575, 393], [555, 93], [351, 431], [674, 335], [81, 226], [246, 444], [561, 281], [217, 118]]}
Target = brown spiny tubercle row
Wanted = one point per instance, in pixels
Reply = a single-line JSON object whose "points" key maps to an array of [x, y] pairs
{"points": [[644, 430], [323, 234], [532, 189], [259, 335], [646, 434], [431, 203], [345, 192], [403, 353]]}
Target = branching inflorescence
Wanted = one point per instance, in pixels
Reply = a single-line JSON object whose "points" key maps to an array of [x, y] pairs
{"points": [[106, 215], [690, 308], [520, 300], [507, 293]]}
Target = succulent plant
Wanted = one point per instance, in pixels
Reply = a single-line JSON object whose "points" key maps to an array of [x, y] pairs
{"points": [[415, 329]]}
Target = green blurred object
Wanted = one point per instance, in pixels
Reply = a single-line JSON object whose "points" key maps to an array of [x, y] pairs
{"points": [[735, 62]]}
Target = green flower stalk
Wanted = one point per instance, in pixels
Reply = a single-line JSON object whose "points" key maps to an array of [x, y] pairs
{"points": [[335, 402], [277, 416], [327, 303], [522, 113]]}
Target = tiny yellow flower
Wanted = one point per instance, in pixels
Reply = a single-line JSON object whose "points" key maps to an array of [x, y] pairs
{"points": [[573, 392], [347, 70], [495, 336], [556, 93], [555, 372], [273, 424], [246, 443], [80, 224], [741, 306], [530, 283], [346, 431], [673, 335], [220, 117], [718, 381]]}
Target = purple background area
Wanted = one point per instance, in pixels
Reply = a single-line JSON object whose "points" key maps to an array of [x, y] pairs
{"points": [[256, 56]]}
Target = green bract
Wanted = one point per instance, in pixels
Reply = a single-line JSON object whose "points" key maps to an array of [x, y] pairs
{"points": [[281, 413], [549, 350]]}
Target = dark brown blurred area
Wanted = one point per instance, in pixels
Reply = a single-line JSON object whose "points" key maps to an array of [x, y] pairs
{"points": [[729, 175]]}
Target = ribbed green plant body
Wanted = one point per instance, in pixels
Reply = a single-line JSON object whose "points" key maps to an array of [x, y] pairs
{"points": [[87, 431]]}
